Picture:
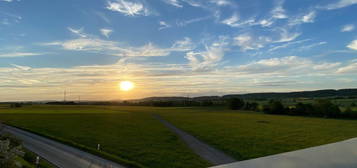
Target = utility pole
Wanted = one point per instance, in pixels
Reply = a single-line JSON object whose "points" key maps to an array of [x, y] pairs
{"points": [[64, 95]]}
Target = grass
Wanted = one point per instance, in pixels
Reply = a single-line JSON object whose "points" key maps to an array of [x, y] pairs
{"points": [[246, 135], [124, 136], [130, 133]]}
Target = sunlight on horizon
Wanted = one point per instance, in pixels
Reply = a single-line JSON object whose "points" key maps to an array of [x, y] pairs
{"points": [[126, 86]]}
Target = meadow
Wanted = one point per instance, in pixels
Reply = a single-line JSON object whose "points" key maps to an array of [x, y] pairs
{"points": [[130, 134], [133, 139]]}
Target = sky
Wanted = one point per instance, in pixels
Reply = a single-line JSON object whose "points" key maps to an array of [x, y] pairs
{"points": [[174, 47]]}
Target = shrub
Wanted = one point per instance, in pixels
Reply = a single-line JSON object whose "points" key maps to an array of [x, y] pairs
{"points": [[251, 106], [274, 107], [302, 109], [349, 113], [324, 108], [236, 104]]}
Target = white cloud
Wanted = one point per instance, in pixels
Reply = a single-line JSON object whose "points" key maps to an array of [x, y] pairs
{"points": [[94, 44], [348, 28], [164, 25], [307, 47], [106, 32], [183, 45], [340, 4], [286, 36], [221, 2], [7, 0], [309, 17], [206, 60], [148, 50], [194, 20], [303, 18], [18, 54], [128, 8], [350, 68], [286, 66], [279, 12], [20, 67], [78, 32], [103, 17], [247, 42], [85, 44], [232, 21], [352, 45], [287, 45], [174, 3]]}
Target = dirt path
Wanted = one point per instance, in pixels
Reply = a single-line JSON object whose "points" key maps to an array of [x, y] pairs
{"points": [[212, 155]]}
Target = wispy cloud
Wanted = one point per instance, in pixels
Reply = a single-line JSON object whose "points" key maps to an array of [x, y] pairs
{"points": [[128, 8], [164, 25], [20, 67], [340, 4], [205, 60], [351, 67], [190, 21], [90, 43], [18, 54], [303, 18], [175, 3], [307, 47], [247, 42], [348, 28], [232, 21], [286, 36], [79, 32], [106, 32], [287, 45], [279, 12], [103, 17], [352, 45], [221, 2]]}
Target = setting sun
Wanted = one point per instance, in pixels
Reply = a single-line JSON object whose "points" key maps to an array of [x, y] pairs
{"points": [[126, 85]]}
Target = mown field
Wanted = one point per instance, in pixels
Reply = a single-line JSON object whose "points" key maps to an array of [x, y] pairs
{"points": [[132, 134]]}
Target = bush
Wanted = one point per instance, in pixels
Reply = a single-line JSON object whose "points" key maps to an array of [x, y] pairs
{"points": [[324, 108], [251, 106], [349, 113], [274, 107], [15, 105], [236, 104], [302, 109]]}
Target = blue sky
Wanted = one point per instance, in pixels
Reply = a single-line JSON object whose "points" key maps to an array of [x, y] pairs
{"points": [[174, 47]]}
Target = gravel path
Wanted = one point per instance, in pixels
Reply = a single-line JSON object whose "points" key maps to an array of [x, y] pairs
{"points": [[60, 155], [212, 155]]}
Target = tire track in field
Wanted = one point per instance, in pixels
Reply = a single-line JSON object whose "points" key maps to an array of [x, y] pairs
{"points": [[205, 151]]}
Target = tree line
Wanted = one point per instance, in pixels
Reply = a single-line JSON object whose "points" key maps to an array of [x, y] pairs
{"points": [[320, 108]]}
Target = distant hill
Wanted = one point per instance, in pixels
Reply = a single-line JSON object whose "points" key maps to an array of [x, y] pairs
{"points": [[269, 95], [302, 94]]}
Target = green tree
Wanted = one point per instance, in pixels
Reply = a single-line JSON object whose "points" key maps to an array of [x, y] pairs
{"points": [[326, 108], [236, 104]]}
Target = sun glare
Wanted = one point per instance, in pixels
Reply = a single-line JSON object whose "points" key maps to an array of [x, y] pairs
{"points": [[126, 85]]}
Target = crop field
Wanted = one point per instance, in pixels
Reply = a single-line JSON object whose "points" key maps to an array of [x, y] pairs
{"points": [[131, 133], [123, 135]]}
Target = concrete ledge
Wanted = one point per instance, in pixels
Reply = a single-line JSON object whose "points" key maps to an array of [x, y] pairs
{"points": [[336, 155]]}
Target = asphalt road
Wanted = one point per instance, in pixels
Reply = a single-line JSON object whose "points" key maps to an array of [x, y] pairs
{"points": [[205, 151], [336, 155], [62, 156]]}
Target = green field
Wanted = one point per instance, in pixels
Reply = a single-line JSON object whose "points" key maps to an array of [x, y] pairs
{"points": [[133, 136], [131, 133]]}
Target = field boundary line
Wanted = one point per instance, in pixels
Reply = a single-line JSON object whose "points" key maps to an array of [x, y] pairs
{"points": [[205, 151]]}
